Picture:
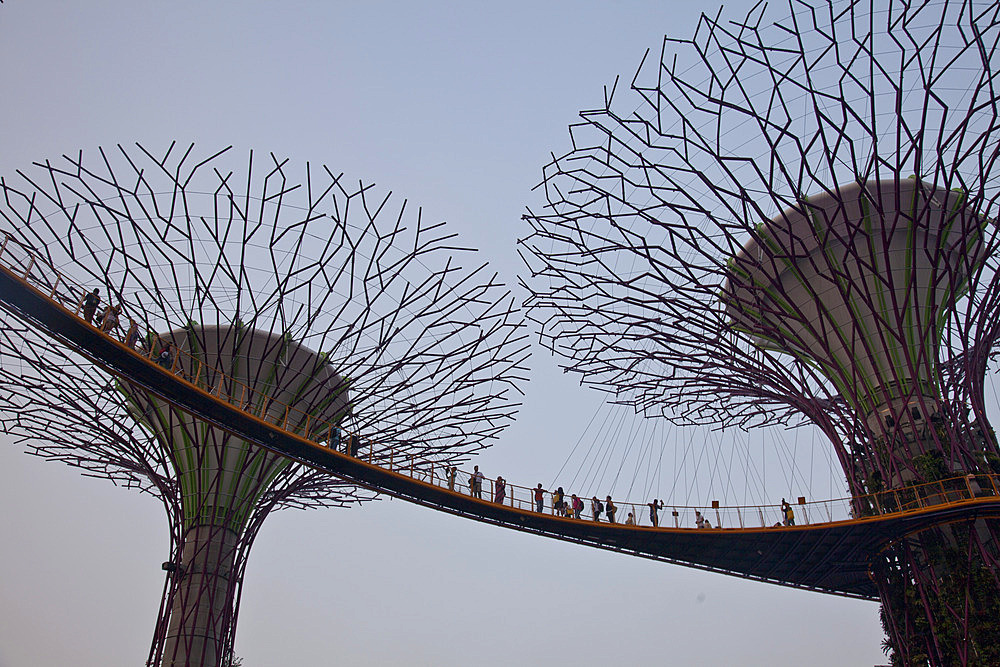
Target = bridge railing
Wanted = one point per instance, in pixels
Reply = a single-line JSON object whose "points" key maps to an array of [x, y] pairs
{"points": [[26, 264]]}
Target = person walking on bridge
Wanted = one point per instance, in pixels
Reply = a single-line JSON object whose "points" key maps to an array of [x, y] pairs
{"points": [[166, 357], [577, 506], [499, 490], [539, 498], [654, 515], [450, 473], [90, 303], [109, 318], [596, 507], [610, 508], [476, 483], [789, 515], [132, 336]]}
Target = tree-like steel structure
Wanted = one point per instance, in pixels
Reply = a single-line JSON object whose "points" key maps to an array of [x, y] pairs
{"points": [[796, 222], [280, 283]]}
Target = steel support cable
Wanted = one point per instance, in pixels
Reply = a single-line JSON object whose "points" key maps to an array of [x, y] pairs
{"points": [[645, 441], [606, 460], [579, 440]]}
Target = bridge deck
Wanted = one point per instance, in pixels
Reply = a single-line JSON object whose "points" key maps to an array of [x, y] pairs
{"points": [[827, 557]]}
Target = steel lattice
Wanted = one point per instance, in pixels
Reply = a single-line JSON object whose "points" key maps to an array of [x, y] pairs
{"points": [[250, 267], [796, 221]]}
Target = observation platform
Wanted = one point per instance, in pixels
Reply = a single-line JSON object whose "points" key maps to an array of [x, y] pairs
{"points": [[828, 556]]}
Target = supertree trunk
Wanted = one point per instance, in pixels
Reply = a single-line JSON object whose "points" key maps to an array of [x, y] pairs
{"points": [[200, 597], [941, 596]]}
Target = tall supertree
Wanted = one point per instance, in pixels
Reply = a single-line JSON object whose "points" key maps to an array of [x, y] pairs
{"points": [[280, 287], [795, 222]]}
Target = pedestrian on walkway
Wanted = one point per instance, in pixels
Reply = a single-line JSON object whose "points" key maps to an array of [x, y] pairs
{"points": [[789, 515], [476, 483], [557, 501], [654, 515], [109, 319], [166, 357], [90, 303], [499, 490], [596, 507], [609, 508], [132, 337], [539, 498], [577, 507]]}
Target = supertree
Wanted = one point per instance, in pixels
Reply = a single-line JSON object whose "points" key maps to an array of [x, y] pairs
{"points": [[794, 222], [277, 286]]}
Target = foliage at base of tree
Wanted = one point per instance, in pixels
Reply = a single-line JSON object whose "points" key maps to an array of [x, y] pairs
{"points": [[939, 606]]}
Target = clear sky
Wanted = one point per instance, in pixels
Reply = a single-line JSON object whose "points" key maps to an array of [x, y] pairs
{"points": [[456, 106]]}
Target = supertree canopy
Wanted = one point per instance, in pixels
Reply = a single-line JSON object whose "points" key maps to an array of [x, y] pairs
{"points": [[795, 222], [277, 286]]}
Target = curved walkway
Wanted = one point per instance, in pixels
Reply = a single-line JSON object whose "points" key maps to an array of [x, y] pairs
{"points": [[827, 553]]}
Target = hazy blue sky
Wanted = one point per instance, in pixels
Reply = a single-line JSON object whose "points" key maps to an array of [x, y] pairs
{"points": [[455, 105]]}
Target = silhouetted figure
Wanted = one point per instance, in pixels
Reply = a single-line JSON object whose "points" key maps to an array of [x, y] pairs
{"points": [[90, 303], [610, 509], [654, 515]]}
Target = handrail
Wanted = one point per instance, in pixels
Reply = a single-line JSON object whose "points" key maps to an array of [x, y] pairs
{"points": [[297, 422]]}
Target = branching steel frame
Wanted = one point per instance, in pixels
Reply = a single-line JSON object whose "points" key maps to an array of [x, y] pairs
{"points": [[200, 252], [738, 244]]}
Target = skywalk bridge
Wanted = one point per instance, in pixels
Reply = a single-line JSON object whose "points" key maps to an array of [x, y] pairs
{"points": [[827, 553]]}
